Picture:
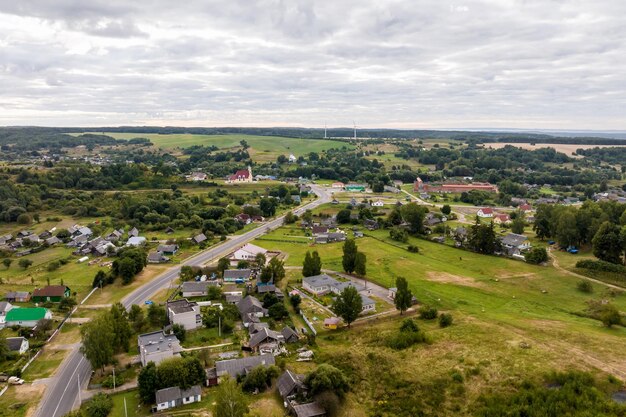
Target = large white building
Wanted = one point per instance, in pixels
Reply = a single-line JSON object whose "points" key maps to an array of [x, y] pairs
{"points": [[184, 313], [157, 346]]}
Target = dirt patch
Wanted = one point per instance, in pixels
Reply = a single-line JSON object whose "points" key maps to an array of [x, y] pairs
{"points": [[547, 324], [567, 149], [446, 278], [504, 274]]}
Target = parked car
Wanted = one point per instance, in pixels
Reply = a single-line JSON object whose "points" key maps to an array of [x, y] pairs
{"points": [[15, 380]]}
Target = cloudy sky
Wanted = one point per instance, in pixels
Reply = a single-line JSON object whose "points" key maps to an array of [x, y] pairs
{"points": [[382, 63]]}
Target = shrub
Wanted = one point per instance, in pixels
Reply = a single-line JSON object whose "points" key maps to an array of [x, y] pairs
{"points": [[404, 340], [413, 249], [53, 266], [584, 286], [536, 256], [445, 320], [25, 263], [99, 406], [409, 325], [427, 313], [601, 266]]}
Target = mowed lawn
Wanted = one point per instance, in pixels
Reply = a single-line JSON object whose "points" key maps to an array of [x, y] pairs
{"points": [[513, 299], [263, 148]]}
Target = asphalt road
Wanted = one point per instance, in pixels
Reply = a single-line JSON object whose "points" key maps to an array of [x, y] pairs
{"points": [[62, 393]]}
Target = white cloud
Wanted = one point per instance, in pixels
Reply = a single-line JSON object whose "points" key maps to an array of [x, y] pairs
{"points": [[490, 63]]}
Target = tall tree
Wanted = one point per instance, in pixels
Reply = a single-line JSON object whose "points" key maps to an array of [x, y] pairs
{"points": [[148, 383], [348, 305], [414, 215], [404, 296], [316, 263], [260, 259], [518, 224], [307, 266], [360, 264], [121, 328], [566, 232], [349, 255], [97, 337], [230, 401], [277, 268], [223, 264], [607, 244]]}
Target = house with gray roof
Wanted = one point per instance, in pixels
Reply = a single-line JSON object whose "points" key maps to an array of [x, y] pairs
{"points": [[199, 238], [251, 308], [197, 288], [514, 244], [290, 384], [168, 249], [157, 346], [17, 344], [307, 410], [242, 366], [184, 313], [339, 286], [265, 340], [368, 306], [172, 397], [289, 335], [157, 258], [319, 284], [237, 275]]}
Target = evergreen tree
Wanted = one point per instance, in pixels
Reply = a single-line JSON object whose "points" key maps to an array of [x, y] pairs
{"points": [[316, 263], [348, 305], [349, 255], [359, 264], [518, 224], [307, 267], [404, 296]]}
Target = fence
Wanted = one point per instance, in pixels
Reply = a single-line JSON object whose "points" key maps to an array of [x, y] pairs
{"points": [[306, 320]]}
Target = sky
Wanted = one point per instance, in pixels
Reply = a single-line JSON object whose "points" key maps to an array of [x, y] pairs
{"points": [[549, 64]]}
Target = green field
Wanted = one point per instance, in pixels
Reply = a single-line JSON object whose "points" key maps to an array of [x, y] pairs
{"points": [[262, 148]]}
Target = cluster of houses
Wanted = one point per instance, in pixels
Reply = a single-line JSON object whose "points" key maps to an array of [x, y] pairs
{"points": [[323, 284], [505, 218], [12, 315], [23, 242]]}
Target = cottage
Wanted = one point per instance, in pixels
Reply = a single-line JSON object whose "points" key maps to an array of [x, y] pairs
{"points": [[157, 258], [136, 241], [319, 284], [242, 175], [368, 305], [243, 218], [167, 398], [250, 308], [51, 241], [197, 176], [332, 323], [289, 335], [232, 289], [237, 275], [241, 366], [51, 293], [17, 296], [27, 316], [370, 224], [134, 232], [290, 385], [501, 218], [199, 238], [184, 313], [157, 346], [265, 340], [5, 307], [485, 213], [514, 243], [317, 230], [168, 249], [114, 236], [18, 344], [378, 203], [308, 410], [196, 288]]}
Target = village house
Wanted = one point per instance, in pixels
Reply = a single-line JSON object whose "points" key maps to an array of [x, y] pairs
{"points": [[184, 313], [27, 316], [368, 305], [243, 218], [485, 213], [291, 385], [197, 239], [319, 284], [247, 252], [17, 296], [157, 346], [241, 176], [240, 366], [5, 307], [17, 344], [514, 244], [501, 218], [134, 232], [378, 203], [157, 258], [51, 293], [251, 309], [237, 275], [197, 176], [168, 249], [172, 397], [196, 288]]}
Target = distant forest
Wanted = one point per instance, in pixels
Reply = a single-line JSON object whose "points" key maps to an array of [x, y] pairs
{"points": [[42, 134]]}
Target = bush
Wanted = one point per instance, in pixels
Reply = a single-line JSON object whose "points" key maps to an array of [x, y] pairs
{"points": [[403, 340], [427, 313], [413, 249], [108, 381], [99, 406], [601, 266], [584, 286], [25, 263], [445, 320], [536, 256], [409, 325], [53, 266], [24, 219]]}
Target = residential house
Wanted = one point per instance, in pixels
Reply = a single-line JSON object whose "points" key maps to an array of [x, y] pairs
{"points": [[27, 316], [291, 385], [378, 203], [370, 224], [199, 238], [514, 244], [157, 258], [136, 241], [391, 189], [17, 296], [525, 207], [134, 232], [368, 305], [319, 284], [292, 158], [51, 293], [196, 288], [242, 366], [5, 307], [307, 410], [168, 249], [232, 289], [247, 252], [250, 309], [265, 341], [242, 175], [243, 218], [114, 236], [51, 241], [332, 323], [486, 212], [197, 176], [317, 230], [157, 346], [337, 184], [18, 344], [172, 397], [184, 313], [289, 335], [237, 275], [501, 218]]}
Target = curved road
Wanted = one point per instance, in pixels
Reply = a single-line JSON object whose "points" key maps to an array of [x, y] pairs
{"points": [[62, 393]]}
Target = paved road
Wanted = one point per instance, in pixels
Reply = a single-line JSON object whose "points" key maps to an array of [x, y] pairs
{"points": [[62, 394]]}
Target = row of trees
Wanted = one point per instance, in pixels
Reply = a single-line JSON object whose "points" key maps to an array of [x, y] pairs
{"points": [[182, 372]]}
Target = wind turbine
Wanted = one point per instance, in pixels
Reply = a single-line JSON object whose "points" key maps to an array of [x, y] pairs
{"points": [[325, 135]]}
